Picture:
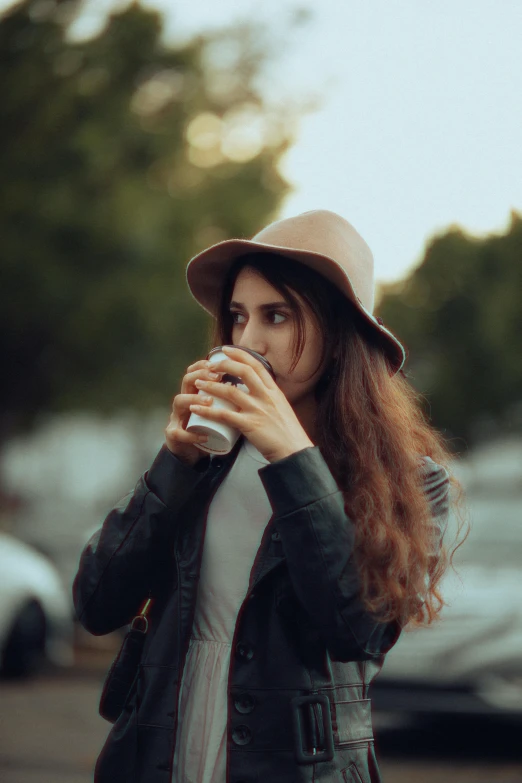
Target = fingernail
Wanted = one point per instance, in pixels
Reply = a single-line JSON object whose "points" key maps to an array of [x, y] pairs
{"points": [[213, 375]]}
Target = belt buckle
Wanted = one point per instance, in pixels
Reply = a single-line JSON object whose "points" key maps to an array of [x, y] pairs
{"points": [[325, 753]]}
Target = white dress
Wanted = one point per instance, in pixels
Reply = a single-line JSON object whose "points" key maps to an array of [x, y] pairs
{"points": [[237, 517]]}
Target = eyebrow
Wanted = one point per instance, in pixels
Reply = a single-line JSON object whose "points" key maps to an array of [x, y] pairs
{"points": [[269, 306]]}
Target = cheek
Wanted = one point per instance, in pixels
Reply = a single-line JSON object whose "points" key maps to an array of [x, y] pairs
{"points": [[300, 376], [310, 362]]}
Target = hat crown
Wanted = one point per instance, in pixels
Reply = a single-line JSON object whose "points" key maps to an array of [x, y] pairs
{"points": [[325, 233]]}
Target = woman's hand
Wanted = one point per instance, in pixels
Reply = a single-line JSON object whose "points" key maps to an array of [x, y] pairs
{"points": [[265, 416], [178, 440]]}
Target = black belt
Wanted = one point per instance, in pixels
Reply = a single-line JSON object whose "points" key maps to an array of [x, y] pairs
{"points": [[312, 728]]}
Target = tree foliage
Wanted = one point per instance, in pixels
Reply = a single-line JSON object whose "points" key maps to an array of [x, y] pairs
{"points": [[460, 316], [121, 158]]}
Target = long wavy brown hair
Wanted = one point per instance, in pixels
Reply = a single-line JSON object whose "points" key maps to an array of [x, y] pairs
{"points": [[372, 433]]}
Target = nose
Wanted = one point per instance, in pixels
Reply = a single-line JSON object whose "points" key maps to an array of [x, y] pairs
{"points": [[253, 338]]}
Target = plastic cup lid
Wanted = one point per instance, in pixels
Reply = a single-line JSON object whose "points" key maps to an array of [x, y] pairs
{"points": [[258, 356]]}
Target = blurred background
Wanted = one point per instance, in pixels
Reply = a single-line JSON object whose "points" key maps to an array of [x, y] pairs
{"points": [[133, 135]]}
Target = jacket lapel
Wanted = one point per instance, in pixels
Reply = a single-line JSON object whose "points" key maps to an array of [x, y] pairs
{"points": [[270, 555]]}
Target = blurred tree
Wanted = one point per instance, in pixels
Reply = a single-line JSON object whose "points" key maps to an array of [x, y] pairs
{"points": [[121, 157], [460, 315]]}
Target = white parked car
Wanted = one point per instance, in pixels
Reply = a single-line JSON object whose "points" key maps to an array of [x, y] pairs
{"points": [[470, 661], [36, 621]]}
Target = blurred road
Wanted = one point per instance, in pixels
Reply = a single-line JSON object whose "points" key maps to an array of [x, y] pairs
{"points": [[51, 733], [50, 729]]}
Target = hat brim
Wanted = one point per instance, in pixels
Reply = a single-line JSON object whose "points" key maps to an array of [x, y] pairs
{"points": [[207, 271]]}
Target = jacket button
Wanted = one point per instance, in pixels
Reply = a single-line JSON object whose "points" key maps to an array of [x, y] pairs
{"points": [[244, 652], [276, 536], [242, 735], [244, 703]]}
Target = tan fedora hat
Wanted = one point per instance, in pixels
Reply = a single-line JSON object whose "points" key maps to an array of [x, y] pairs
{"points": [[320, 239]]}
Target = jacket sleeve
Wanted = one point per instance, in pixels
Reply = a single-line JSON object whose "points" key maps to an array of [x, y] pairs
{"points": [[318, 541], [131, 553]]}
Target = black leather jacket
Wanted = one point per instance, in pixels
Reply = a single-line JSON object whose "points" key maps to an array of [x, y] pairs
{"points": [[304, 650]]}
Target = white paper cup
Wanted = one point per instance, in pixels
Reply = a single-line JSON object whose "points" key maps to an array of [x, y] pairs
{"points": [[221, 437]]}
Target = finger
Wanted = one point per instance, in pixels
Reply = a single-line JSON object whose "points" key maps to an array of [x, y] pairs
{"points": [[182, 436], [246, 372], [243, 357], [203, 372], [199, 371], [226, 391], [196, 365], [182, 402], [232, 418]]}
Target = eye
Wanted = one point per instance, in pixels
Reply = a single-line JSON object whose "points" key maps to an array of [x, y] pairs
{"points": [[271, 315], [280, 315]]}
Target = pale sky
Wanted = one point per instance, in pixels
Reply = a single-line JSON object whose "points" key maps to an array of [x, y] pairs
{"points": [[421, 116]]}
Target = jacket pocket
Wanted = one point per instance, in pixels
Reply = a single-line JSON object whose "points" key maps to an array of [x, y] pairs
{"points": [[351, 774], [358, 764]]}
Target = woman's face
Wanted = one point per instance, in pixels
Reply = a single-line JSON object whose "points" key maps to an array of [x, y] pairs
{"points": [[264, 323]]}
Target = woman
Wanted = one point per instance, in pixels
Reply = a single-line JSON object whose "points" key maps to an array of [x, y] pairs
{"points": [[284, 571]]}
